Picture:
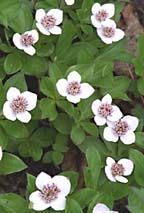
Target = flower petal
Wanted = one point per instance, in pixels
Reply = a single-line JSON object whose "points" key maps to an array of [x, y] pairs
{"points": [[42, 29], [17, 41], [128, 166], [29, 50], [61, 86], [24, 117], [55, 30], [99, 120], [121, 179], [109, 23], [110, 161], [132, 121], [86, 90], [58, 204], [42, 180], [96, 8], [100, 208], [31, 99], [109, 8], [35, 35], [96, 23], [40, 15], [95, 106], [119, 34], [128, 138], [57, 14], [116, 114], [40, 207], [69, 2], [12, 93], [7, 111], [1, 153], [109, 174], [73, 98], [107, 99], [109, 135], [35, 197], [74, 76], [63, 184]]}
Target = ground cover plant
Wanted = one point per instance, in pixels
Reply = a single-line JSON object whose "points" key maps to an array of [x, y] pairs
{"points": [[69, 123]]}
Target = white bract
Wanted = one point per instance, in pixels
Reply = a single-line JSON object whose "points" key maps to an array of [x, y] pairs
{"points": [[26, 41], [109, 33], [18, 104], [51, 192], [102, 208], [123, 129], [1, 153], [73, 89], [69, 2], [115, 171], [47, 23], [101, 13], [104, 110]]}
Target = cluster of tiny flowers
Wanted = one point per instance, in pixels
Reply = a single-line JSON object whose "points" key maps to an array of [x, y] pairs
{"points": [[51, 192], [106, 28], [118, 127]]}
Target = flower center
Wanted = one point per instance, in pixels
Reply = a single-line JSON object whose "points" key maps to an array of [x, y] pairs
{"points": [[49, 193], [19, 104], [105, 110], [74, 88], [117, 169], [27, 40], [48, 22], [108, 32], [101, 15], [121, 128]]}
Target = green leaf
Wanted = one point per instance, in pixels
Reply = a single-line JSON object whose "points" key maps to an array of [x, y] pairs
{"points": [[48, 108], [140, 85], [63, 123], [136, 200], [61, 143], [10, 164], [57, 157], [140, 139], [12, 63], [14, 129], [31, 187], [138, 159], [72, 206], [48, 88], [90, 128], [3, 138], [94, 165], [77, 135]]}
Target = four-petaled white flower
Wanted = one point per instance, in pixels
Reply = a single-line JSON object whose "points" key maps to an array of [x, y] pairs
{"points": [[51, 192], [26, 41], [18, 104], [104, 110], [102, 208], [47, 22], [73, 89], [69, 2], [115, 171], [109, 33], [1, 153], [123, 129], [101, 13]]}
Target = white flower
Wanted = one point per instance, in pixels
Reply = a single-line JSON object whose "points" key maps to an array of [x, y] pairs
{"points": [[116, 170], [109, 33], [51, 192], [123, 129], [104, 110], [1, 153], [73, 89], [102, 208], [18, 104], [101, 13], [69, 2], [47, 22], [25, 41]]}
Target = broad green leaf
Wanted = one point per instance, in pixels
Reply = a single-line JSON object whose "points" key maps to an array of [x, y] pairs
{"points": [[136, 200], [77, 135], [12, 63], [72, 206], [48, 109]]}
